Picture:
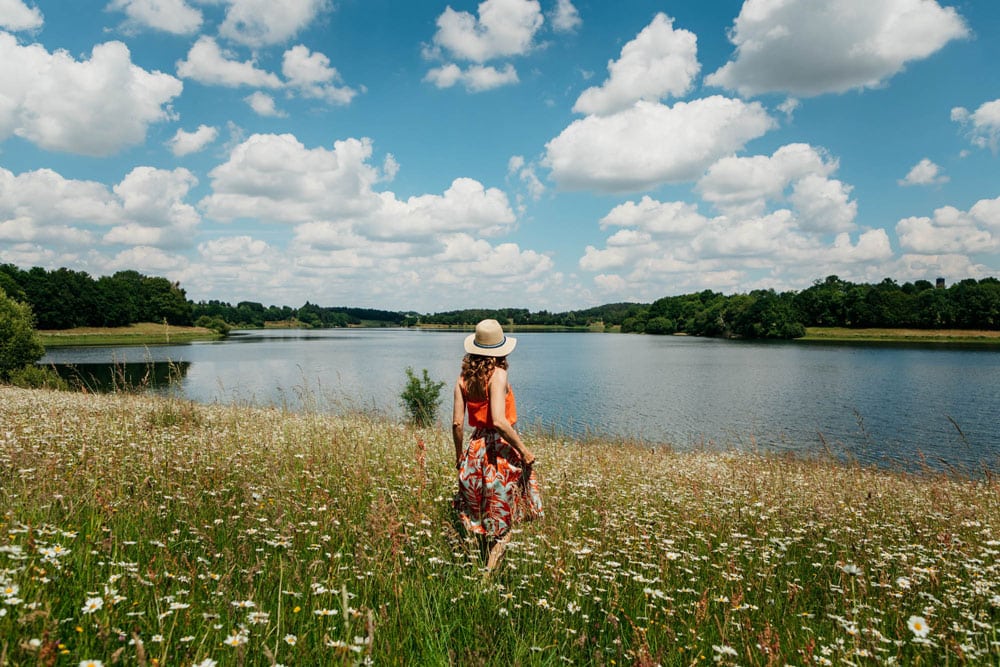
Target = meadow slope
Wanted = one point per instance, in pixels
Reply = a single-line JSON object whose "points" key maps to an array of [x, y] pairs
{"points": [[152, 531]]}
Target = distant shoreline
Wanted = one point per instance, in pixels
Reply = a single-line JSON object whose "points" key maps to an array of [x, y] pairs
{"points": [[150, 333]]}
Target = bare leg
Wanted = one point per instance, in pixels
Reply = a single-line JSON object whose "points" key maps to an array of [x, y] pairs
{"points": [[496, 552]]}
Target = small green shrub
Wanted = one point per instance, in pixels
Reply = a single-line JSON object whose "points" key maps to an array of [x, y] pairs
{"points": [[216, 324], [421, 398], [38, 377]]}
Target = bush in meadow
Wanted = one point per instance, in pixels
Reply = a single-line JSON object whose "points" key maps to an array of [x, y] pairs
{"points": [[421, 397]]}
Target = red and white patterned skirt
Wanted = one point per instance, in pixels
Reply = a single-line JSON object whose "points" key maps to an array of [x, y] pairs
{"points": [[494, 492]]}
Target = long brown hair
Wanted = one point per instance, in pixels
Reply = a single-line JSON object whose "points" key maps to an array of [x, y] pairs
{"points": [[476, 372]]}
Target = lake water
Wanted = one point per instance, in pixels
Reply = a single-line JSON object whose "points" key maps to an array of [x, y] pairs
{"points": [[883, 404]]}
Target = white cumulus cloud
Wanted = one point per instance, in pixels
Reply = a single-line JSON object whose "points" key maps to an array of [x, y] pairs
{"points": [[345, 232], [185, 143], [674, 219], [207, 63], [516, 166], [312, 75], [465, 206], [783, 220], [823, 204], [276, 178], [263, 104], [650, 143], [238, 265], [92, 107], [234, 249], [983, 124], [725, 253], [924, 172], [173, 16], [796, 174], [16, 16], [953, 231], [308, 74], [744, 185], [660, 61], [145, 259], [147, 208], [503, 28], [44, 197], [469, 258], [153, 210], [475, 78], [258, 23], [155, 197], [808, 48], [565, 17], [912, 266]]}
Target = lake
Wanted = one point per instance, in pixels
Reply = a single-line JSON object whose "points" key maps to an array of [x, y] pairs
{"points": [[892, 405]]}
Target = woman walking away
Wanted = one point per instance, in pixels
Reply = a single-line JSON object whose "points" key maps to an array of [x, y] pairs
{"points": [[496, 480]]}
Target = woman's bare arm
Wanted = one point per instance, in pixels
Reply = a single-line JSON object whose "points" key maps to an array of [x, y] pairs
{"points": [[498, 411], [457, 420]]}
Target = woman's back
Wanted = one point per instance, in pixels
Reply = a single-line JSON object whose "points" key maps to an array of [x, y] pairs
{"points": [[478, 408]]}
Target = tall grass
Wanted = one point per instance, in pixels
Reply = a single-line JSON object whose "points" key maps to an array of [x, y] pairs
{"points": [[152, 531]]}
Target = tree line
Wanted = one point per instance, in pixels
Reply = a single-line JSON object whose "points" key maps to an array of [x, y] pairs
{"points": [[831, 302], [63, 299], [254, 315]]}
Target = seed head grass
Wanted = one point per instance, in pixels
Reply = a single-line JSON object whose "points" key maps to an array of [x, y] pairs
{"points": [[143, 530]]}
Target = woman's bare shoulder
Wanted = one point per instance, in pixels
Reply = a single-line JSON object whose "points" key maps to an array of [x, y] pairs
{"points": [[499, 377]]}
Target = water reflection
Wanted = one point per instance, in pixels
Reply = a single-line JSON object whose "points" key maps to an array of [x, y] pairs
{"points": [[123, 376]]}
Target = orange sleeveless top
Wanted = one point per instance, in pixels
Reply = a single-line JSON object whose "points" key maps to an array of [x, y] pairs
{"points": [[479, 409]]}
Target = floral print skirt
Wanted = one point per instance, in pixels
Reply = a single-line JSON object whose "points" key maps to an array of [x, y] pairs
{"points": [[493, 490]]}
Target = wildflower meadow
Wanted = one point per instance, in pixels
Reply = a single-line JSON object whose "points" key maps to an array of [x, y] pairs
{"points": [[144, 530]]}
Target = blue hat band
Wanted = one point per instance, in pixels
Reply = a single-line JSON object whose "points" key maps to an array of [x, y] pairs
{"points": [[490, 347]]}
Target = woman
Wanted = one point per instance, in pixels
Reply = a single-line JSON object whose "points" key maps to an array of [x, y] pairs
{"points": [[496, 480]]}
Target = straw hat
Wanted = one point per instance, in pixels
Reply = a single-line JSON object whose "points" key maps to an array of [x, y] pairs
{"points": [[489, 340]]}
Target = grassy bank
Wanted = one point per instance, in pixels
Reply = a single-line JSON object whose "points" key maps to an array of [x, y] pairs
{"points": [[843, 334], [145, 333], [143, 530]]}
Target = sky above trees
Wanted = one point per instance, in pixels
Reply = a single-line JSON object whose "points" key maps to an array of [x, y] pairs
{"points": [[550, 155]]}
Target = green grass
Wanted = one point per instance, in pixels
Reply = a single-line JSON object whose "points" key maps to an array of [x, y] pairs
{"points": [[951, 336], [145, 333], [140, 530]]}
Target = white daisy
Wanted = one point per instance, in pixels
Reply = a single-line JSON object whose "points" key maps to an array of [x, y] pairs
{"points": [[918, 626], [92, 605]]}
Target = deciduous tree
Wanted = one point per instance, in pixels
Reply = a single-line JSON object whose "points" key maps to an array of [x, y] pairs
{"points": [[19, 342]]}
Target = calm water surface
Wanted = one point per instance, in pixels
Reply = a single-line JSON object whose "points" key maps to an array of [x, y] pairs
{"points": [[890, 405]]}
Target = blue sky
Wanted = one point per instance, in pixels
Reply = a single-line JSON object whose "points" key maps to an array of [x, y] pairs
{"points": [[552, 154]]}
